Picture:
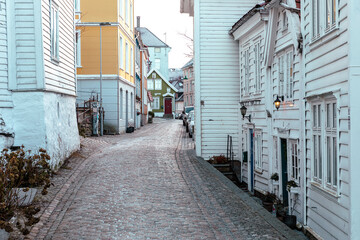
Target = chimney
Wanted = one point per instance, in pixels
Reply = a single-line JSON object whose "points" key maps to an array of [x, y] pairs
{"points": [[138, 21]]}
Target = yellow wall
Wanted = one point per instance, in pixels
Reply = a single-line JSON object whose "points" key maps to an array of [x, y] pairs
{"points": [[105, 11]]}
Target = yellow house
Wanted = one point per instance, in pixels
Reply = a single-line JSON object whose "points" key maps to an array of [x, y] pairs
{"points": [[108, 24]]}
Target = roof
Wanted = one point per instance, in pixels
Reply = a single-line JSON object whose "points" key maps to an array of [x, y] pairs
{"points": [[175, 73], [150, 39], [189, 64], [258, 7], [161, 76]]}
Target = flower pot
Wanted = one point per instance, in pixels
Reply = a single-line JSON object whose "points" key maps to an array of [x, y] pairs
{"points": [[268, 205], [25, 198], [290, 221], [295, 190]]}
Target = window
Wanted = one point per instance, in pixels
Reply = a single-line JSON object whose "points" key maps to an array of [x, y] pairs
{"points": [[150, 84], [78, 48], [77, 5], [286, 79], [121, 53], [294, 161], [127, 12], [54, 31], [324, 17], [131, 62], [121, 104], [156, 103], [331, 145], [285, 21], [157, 50], [158, 84], [127, 57], [145, 97], [132, 105], [131, 18], [257, 67], [121, 10], [258, 150], [325, 144], [157, 63], [247, 72], [153, 75]]}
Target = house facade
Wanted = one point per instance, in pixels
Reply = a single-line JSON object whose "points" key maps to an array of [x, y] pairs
{"points": [[331, 71], [158, 51], [38, 78], [217, 86], [189, 83], [111, 24], [163, 94]]}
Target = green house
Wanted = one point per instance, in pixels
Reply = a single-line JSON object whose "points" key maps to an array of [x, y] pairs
{"points": [[163, 93]]}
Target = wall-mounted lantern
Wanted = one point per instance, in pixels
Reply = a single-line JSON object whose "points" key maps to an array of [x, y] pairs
{"points": [[243, 110], [277, 103]]}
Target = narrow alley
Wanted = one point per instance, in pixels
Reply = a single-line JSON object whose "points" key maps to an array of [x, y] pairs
{"points": [[150, 185]]}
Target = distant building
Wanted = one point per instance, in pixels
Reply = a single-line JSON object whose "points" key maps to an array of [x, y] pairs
{"points": [[189, 83], [158, 50], [163, 94], [118, 58], [38, 78]]}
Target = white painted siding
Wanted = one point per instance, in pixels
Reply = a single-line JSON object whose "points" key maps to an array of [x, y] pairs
{"points": [[217, 75], [5, 95], [60, 77], [326, 70]]}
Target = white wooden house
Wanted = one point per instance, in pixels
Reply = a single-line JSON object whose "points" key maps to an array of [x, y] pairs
{"points": [[283, 57], [38, 86], [250, 32], [216, 65], [331, 66]]}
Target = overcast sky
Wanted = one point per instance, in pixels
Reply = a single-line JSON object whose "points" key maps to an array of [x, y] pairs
{"points": [[163, 16]]}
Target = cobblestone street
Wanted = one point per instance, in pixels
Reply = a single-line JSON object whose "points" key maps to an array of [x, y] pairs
{"points": [[150, 185]]}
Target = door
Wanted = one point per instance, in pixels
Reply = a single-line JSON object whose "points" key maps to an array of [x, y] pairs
{"points": [[284, 169], [251, 132], [127, 110], [168, 105]]}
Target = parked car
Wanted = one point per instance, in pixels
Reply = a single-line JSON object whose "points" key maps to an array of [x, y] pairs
{"points": [[191, 123], [185, 115]]}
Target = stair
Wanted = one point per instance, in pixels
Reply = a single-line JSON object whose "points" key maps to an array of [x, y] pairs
{"points": [[225, 169]]}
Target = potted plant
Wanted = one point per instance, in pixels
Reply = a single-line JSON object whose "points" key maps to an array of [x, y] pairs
{"points": [[275, 177], [268, 201], [290, 220], [292, 187]]}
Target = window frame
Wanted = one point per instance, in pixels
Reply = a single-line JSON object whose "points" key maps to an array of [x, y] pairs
{"points": [[131, 61], [246, 72], [156, 100], [151, 84], [320, 24], [121, 53], [286, 74], [157, 62], [322, 129], [54, 28], [156, 84], [257, 52], [258, 151], [127, 57], [294, 160]]}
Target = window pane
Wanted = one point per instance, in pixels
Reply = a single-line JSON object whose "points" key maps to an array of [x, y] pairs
{"points": [[314, 116], [319, 115], [320, 158], [335, 167], [334, 116], [315, 157], [329, 152]]}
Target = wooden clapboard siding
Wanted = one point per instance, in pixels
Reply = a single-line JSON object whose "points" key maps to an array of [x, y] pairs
{"points": [[60, 77], [217, 74], [5, 95], [326, 69]]}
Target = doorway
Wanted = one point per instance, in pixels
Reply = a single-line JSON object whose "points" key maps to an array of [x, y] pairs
{"points": [[251, 151], [284, 173], [168, 105]]}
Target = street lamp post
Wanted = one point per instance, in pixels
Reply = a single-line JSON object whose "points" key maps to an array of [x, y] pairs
{"points": [[101, 100]]}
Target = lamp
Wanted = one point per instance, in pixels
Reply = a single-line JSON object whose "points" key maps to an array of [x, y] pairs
{"points": [[277, 103], [243, 110]]}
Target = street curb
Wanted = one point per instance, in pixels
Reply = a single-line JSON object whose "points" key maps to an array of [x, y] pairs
{"points": [[270, 219]]}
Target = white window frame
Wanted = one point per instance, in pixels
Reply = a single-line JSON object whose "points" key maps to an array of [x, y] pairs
{"points": [[158, 84], [286, 75], [127, 57], [157, 63], [157, 50], [285, 21], [54, 31], [258, 143], [78, 48], [156, 103], [121, 53], [294, 160], [127, 12], [121, 9], [257, 49], [131, 61], [324, 19], [131, 18], [246, 71], [328, 145], [150, 84]]}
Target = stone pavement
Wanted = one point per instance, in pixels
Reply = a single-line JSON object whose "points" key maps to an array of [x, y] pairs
{"points": [[150, 185]]}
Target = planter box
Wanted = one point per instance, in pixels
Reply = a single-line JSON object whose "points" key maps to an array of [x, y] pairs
{"points": [[275, 183], [295, 190], [25, 198]]}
